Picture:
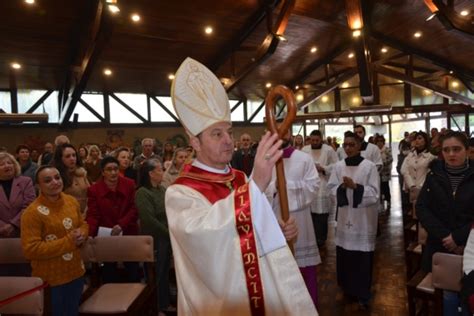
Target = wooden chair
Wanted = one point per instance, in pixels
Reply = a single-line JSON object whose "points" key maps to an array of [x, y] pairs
{"points": [[11, 251], [32, 304], [414, 251], [123, 298], [446, 275]]}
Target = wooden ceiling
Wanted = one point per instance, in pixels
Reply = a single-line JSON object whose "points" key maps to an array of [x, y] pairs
{"points": [[64, 44]]}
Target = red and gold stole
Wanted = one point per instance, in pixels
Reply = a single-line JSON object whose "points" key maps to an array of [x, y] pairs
{"points": [[216, 187]]}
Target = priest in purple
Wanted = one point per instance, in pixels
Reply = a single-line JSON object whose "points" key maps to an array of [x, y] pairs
{"points": [[302, 184]]}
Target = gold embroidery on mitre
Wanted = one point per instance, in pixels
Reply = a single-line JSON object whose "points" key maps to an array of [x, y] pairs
{"points": [[198, 97]]}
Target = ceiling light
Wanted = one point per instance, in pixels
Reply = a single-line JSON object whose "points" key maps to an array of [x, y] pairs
{"points": [[107, 72], [325, 99], [135, 17], [111, 1], [345, 85], [299, 97], [314, 49], [297, 87], [355, 100], [268, 85], [351, 55], [30, 1], [399, 81], [171, 76], [357, 24], [208, 30], [454, 84], [356, 33], [451, 72], [384, 50], [113, 8], [426, 92], [464, 12], [15, 65], [417, 34]]}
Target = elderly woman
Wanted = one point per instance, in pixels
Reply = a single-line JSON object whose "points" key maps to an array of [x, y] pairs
{"points": [[73, 174], [445, 204], [16, 193], [179, 158], [150, 201]]}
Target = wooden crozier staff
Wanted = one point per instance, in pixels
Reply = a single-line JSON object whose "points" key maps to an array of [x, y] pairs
{"points": [[270, 102]]}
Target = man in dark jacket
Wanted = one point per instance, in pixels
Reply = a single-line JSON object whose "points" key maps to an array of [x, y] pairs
{"points": [[243, 158]]}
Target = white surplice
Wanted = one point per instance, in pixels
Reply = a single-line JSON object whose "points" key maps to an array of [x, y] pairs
{"points": [[325, 157], [302, 183], [357, 227], [208, 258]]}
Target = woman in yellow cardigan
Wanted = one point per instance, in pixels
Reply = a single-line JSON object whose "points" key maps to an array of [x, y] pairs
{"points": [[52, 232]]}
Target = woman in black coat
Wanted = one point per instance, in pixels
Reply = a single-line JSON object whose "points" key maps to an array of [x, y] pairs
{"points": [[445, 206]]}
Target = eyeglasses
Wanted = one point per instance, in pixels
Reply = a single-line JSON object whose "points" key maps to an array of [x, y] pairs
{"points": [[454, 149], [348, 145]]}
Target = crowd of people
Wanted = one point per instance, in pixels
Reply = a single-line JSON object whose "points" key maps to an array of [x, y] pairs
{"points": [[216, 208], [125, 196]]}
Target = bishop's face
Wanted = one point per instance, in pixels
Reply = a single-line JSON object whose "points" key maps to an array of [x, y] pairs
{"points": [[215, 145]]}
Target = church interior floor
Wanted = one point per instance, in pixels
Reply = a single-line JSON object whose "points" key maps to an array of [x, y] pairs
{"points": [[388, 285]]}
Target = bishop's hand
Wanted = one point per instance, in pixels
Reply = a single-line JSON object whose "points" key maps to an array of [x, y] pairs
{"points": [[268, 153]]}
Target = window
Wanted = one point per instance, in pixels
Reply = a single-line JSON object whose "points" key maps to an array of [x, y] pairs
{"points": [[238, 114], [5, 101], [27, 98]]}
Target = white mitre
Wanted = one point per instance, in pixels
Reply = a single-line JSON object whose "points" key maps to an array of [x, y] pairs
{"points": [[198, 97]]}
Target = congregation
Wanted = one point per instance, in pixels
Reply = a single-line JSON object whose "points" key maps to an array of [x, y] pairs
{"points": [[124, 193]]}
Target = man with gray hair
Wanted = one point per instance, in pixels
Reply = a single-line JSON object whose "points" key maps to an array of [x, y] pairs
{"points": [[244, 157], [148, 145]]}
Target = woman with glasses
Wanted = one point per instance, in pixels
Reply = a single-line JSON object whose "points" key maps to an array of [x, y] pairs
{"points": [[112, 212], [445, 205]]}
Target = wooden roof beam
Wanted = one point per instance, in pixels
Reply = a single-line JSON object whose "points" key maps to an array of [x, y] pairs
{"points": [[427, 56], [235, 44], [423, 84], [355, 21], [450, 18], [400, 110], [100, 32], [268, 46], [331, 76], [315, 96], [318, 63]]}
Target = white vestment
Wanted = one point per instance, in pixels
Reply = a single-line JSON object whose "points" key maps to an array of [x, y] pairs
{"points": [[302, 183], [325, 157], [357, 226], [208, 259]]}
